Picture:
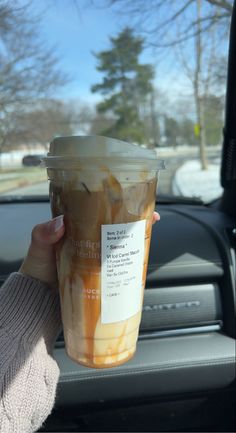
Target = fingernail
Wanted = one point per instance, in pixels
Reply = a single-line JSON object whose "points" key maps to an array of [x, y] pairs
{"points": [[157, 216], [57, 223]]}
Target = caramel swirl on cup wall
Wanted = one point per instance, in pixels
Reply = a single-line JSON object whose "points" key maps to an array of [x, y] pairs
{"points": [[85, 212]]}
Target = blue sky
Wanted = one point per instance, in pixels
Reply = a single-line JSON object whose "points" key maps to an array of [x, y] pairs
{"points": [[76, 33]]}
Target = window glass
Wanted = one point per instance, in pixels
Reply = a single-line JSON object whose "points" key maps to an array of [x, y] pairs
{"points": [[149, 72]]}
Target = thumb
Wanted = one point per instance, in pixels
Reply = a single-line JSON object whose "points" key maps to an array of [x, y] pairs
{"points": [[40, 261], [156, 217]]}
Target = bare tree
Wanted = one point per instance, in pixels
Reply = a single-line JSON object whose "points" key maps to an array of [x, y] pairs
{"points": [[197, 92], [204, 74], [48, 119], [172, 24], [199, 79], [159, 19], [28, 69]]}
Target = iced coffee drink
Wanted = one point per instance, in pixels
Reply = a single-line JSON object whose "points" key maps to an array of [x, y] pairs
{"points": [[107, 199]]}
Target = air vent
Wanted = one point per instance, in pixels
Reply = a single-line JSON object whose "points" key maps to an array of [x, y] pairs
{"points": [[181, 307], [181, 310]]}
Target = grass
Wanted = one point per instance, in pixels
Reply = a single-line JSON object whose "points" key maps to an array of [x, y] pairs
{"points": [[19, 177]]}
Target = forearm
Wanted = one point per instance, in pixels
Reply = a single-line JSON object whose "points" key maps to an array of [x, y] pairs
{"points": [[29, 324]]}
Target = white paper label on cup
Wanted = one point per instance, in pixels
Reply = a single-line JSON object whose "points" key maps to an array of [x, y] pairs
{"points": [[122, 256]]}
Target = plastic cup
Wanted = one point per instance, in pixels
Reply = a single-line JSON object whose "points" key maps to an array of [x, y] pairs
{"points": [[106, 190]]}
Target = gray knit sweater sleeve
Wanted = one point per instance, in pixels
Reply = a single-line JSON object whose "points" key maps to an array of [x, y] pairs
{"points": [[29, 323]]}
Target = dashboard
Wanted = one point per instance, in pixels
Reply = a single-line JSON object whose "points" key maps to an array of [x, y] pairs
{"points": [[186, 347]]}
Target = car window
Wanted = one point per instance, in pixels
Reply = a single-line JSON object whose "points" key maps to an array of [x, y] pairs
{"points": [[151, 73]]}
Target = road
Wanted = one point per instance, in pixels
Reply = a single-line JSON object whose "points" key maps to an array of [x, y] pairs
{"points": [[172, 163], [164, 187], [166, 176], [34, 189]]}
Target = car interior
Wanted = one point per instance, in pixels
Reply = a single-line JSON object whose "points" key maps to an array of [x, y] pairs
{"points": [[182, 378]]}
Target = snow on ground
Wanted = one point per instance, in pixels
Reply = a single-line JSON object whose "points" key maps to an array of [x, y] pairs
{"points": [[184, 150], [190, 180]]}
